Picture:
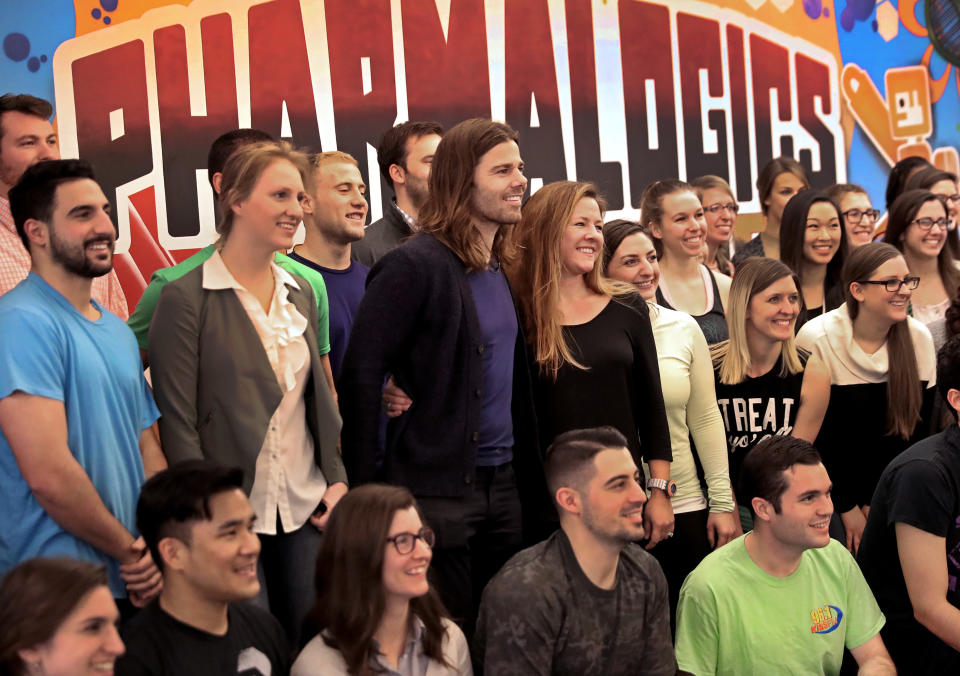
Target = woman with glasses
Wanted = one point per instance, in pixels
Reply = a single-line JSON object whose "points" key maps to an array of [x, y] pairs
{"points": [[918, 227], [813, 245], [720, 211], [943, 183], [882, 367], [672, 212], [859, 216], [780, 179], [375, 611]]}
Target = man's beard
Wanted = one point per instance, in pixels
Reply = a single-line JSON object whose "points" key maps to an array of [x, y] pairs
{"points": [[418, 191], [74, 258]]}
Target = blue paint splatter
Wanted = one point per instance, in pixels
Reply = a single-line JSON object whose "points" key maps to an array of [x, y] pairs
{"points": [[875, 26], [856, 10], [43, 58], [16, 46], [33, 65], [95, 13], [106, 20], [109, 5], [826, 12], [812, 8]]}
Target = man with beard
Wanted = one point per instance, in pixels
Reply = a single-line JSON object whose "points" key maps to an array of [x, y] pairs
{"points": [[27, 137], [332, 221], [405, 155], [75, 411], [586, 601], [439, 316]]}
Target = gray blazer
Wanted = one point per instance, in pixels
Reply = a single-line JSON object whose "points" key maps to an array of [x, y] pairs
{"points": [[214, 384]]}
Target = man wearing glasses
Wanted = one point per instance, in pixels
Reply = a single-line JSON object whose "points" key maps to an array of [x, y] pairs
{"points": [[859, 216]]}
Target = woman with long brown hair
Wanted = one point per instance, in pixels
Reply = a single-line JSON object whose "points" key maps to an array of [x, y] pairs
{"points": [[882, 368], [590, 337], [375, 611]]}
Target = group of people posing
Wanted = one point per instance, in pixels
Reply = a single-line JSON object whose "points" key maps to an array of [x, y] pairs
{"points": [[482, 434]]}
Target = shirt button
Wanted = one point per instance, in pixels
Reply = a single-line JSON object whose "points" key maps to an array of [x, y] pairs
{"points": [[478, 392], [481, 348], [467, 479], [475, 436]]}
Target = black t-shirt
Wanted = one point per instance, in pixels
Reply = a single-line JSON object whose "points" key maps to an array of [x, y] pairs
{"points": [[921, 488], [621, 386], [757, 408], [159, 645]]}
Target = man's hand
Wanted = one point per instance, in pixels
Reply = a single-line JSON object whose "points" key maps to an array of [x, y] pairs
{"points": [[141, 575], [330, 498], [395, 401], [853, 523], [722, 527], [658, 518]]}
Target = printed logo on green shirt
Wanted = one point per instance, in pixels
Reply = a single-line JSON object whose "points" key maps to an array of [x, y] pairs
{"points": [[825, 619]]}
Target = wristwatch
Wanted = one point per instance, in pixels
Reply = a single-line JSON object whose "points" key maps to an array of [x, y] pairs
{"points": [[668, 486]]}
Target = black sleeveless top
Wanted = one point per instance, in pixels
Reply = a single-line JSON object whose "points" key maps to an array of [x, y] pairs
{"points": [[713, 322]]}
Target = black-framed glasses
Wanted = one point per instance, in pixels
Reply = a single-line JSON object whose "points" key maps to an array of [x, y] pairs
{"points": [[405, 542], [926, 224], [732, 207], [855, 216], [893, 285], [952, 198]]}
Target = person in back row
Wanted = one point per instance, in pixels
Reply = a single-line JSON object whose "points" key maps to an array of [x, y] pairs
{"points": [[910, 547], [785, 597], [199, 525], [587, 601]]}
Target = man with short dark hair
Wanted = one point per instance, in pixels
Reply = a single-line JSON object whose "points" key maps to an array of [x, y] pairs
{"points": [[220, 150], [438, 315], [27, 137], [405, 155], [333, 221], [76, 414], [910, 553], [587, 600], [784, 598], [198, 523]]}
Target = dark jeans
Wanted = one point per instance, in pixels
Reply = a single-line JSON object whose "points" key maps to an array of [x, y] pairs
{"points": [[679, 555], [286, 569], [476, 535]]}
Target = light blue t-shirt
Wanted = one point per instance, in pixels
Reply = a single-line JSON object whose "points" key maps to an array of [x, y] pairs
{"points": [[49, 349]]}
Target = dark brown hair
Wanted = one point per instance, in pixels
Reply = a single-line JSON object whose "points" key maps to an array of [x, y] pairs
{"points": [[900, 174], [26, 104], [35, 598], [904, 397], [651, 204], [393, 146], [902, 213], [448, 213], [763, 474], [350, 598], [772, 169]]}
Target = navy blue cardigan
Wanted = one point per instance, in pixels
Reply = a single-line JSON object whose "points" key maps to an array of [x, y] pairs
{"points": [[418, 322]]}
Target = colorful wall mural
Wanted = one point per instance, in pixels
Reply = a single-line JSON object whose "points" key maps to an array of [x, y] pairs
{"points": [[621, 93]]}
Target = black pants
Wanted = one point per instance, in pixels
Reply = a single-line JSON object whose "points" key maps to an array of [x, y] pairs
{"points": [[679, 555], [476, 535]]}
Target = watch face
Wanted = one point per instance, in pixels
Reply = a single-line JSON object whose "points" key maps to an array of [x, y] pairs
{"points": [[671, 488]]}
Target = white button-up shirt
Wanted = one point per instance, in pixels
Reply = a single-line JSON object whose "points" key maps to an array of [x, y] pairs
{"points": [[287, 480]]}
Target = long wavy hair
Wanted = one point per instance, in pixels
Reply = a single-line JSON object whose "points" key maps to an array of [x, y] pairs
{"points": [[754, 276], [35, 598], [793, 227], [902, 213], [350, 596], [536, 272], [448, 213], [904, 397]]}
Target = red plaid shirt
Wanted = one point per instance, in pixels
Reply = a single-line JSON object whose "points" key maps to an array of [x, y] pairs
{"points": [[15, 264]]}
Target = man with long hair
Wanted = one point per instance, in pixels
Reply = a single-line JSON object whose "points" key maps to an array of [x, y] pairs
{"points": [[439, 316]]}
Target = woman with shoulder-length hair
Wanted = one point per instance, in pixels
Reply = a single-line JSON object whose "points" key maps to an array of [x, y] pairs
{"points": [[720, 209], [856, 210], [675, 217], [703, 520], [764, 383], [239, 379], [918, 228], [780, 179], [813, 244], [374, 610], [57, 618], [590, 337], [944, 184], [882, 369]]}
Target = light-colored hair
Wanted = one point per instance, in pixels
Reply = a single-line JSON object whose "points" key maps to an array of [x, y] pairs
{"points": [[317, 160], [703, 183], [754, 276], [536, 272], [245, 167]]}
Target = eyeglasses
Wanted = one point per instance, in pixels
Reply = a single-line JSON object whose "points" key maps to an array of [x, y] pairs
{"points": [[893, 285], [855, 216], [952, 198], [926, 224], [732, 207], [405, 542]]}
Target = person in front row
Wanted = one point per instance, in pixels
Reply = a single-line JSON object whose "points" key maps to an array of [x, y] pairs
{"points": [[198, 524], [587, 601], [375, 610], [911, 543], [783, 597]]}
